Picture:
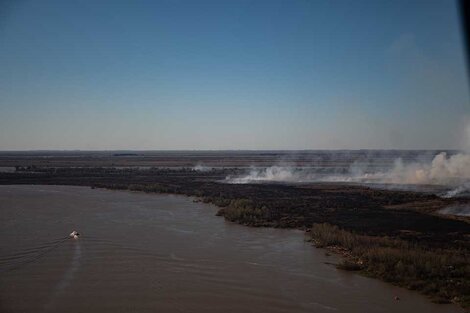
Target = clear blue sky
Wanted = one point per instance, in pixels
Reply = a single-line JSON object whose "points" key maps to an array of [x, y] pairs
{"points": [[236, 74]]}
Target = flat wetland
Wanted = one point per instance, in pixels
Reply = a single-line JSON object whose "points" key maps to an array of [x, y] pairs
{"points": [[146, 247]]}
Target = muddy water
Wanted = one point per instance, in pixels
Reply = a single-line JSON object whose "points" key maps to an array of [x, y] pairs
{"points": [[158, 253]]}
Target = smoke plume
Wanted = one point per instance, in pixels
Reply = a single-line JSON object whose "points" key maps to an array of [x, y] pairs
{"points": [[451, 171], [201, 168]]}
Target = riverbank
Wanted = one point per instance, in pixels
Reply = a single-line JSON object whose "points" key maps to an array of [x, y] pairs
{"points": [[442, 274], [384, 232]]}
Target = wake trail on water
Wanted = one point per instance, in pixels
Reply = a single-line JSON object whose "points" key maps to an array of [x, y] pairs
{"points": [[68, 276], [29, 255]]}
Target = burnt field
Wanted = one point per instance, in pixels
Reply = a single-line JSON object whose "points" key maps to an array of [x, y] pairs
{"points": [[352, 207], [394, 235]]}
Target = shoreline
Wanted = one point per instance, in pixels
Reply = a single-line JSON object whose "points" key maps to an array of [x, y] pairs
{"points": [[372, 214]]}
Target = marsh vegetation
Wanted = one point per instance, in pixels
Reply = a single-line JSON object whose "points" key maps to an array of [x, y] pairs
{"points": [[441, 273], [388, 234]]}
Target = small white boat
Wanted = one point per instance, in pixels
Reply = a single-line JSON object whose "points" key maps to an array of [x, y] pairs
{"points": [[74, 234]]}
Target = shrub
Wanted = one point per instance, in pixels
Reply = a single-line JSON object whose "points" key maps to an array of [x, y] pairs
{"points": [[442, 274]]}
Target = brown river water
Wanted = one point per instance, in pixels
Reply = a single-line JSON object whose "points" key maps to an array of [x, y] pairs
{"points": [[163, 253]]}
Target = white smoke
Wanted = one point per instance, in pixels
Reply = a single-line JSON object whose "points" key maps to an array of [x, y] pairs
{"points": [[270, 174], [451, 171], [201, 168], [443, 170], [459, 210], [463, 189]]}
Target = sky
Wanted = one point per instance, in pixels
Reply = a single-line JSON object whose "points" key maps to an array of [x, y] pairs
{"points": [[175, 74]]}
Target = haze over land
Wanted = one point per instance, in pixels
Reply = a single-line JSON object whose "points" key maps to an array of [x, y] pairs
{"points": [[443, 169]]}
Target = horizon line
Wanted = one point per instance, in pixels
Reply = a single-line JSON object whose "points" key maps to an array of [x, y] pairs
{"points": [[225, 150]]}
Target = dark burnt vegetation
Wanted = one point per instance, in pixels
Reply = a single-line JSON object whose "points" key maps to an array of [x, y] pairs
{"points": [[351, 207], [386, 234]]}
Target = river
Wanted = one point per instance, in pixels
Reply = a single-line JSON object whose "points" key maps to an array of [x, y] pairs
{"points": [[164, 253]]}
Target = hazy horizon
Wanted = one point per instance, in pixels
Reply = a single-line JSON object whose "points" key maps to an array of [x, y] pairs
{"points": [[232, 75], [226, 150]]}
